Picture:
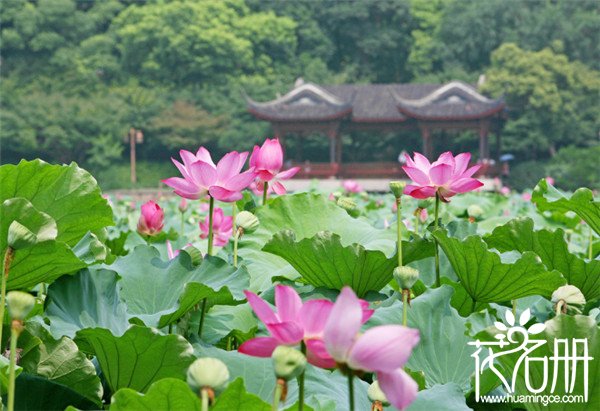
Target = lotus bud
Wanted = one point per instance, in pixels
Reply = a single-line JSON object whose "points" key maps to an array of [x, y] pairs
{"points": [[207, 372], [397, 188], [347, 203], [247, 221], [288, 362], [406, 277], [376, 395], [19, 304], [183, 205], [569, 294], [151, 219], [474, 211]]}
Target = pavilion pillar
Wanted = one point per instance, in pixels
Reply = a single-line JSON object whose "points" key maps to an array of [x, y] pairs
{"points": [[427, 143], [338, 149], [498, 144], [484, 152], [332, 149]]}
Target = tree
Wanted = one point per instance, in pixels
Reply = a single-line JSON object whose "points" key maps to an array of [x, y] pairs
{"points": [[553, 101], [191, 42]]}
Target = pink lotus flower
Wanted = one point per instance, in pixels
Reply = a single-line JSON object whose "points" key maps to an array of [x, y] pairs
{"points": [[201, 176], [383, 349], [222, 227], [550, 180], [294, 322], [352, 186], [267, 162], [151, 220], [505, 191], [526, 197], [447, 176]]}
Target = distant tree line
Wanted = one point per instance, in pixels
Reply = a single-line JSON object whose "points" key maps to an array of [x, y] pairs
{"points": [[76, 75]]}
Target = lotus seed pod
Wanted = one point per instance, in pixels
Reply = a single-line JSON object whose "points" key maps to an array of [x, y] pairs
{"points": [[208, 372], [347, 203], [288, 362], [423, 204], [247, 221], [19, 304], [375, 394], [569, 294], [474, 211], [397, 188], [406, 277]]}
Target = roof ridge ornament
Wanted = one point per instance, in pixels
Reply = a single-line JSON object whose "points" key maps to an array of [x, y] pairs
{"points": [[309, 88], [445, 89]]}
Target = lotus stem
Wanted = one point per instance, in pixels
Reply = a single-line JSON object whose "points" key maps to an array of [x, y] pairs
{"points": [[437, 252], [182, 224], [591, 248], [416, 223], [559, 307], [514, 307], [279, 392], [6, 261], [202, 313], [204, 398], [15, 330], [236, 235], [350, 390], [211, 209], [405, 295], [301, 381], [399, 224], [265, 190]]}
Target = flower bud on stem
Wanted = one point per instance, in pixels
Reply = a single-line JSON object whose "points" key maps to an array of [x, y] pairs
{"points": [[20, 305], [207, 397], [399, 225]]}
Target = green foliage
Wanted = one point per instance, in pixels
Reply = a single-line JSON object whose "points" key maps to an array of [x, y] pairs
{"points": [[487, 279], [138, 358], [573, 167], [176, 287], [62, 362], [235, 398], [168, 394], [582, 203], [64, 202], [552, 99], [318, 260], [87, 299], [72, 70], [553, 250]]}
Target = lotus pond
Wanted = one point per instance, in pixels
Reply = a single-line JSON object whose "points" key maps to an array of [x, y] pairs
{"points": [[300, 303]]}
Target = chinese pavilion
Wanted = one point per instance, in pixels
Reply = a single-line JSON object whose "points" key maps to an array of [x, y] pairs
{"points": [[335, 109]]}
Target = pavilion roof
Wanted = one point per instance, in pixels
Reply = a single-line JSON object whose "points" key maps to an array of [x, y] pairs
{"points": [[378, 103]]}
